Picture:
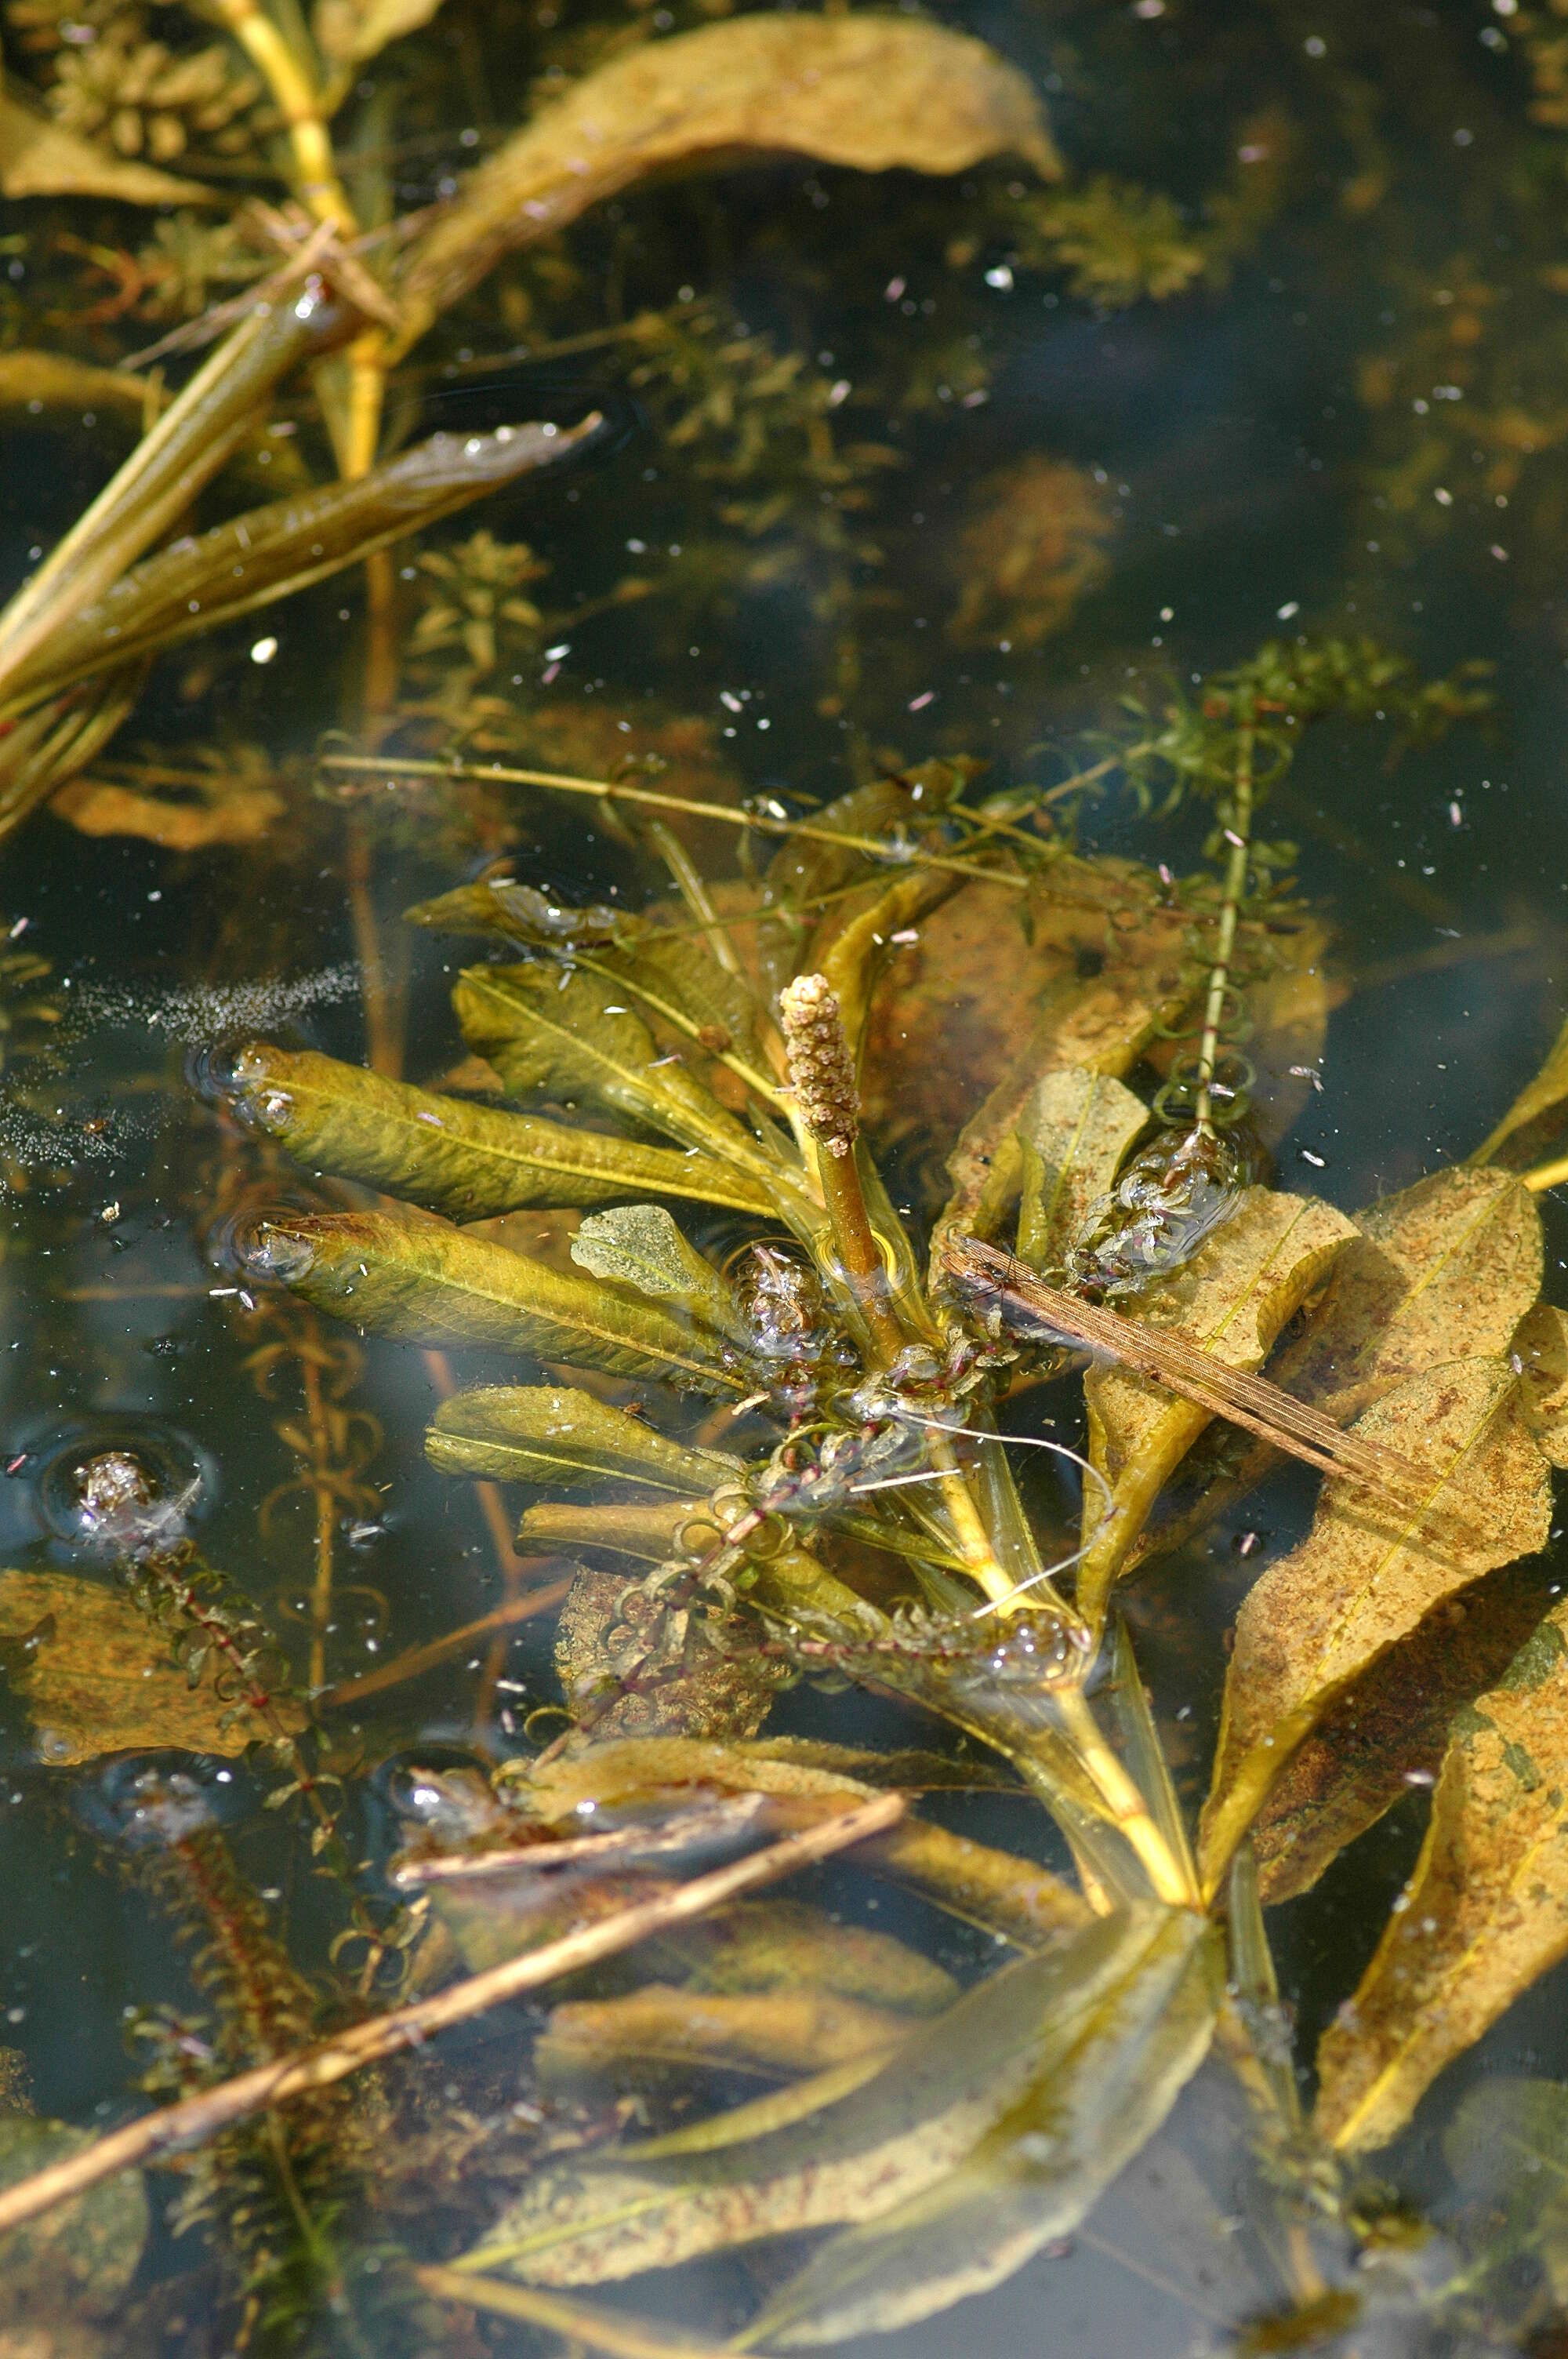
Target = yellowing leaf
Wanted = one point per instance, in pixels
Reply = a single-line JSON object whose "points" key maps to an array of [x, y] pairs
{"points": [[1366, 1576], [1075, 1128], [349, 31], [1484, 1913], [546, 1433], [872, 91], [468, 1162], [1541, 1346], [93, 807], [1444, 1270], [1230, 1300], [782, 2033], [39, 158], [103, 1678], [1389, 1726], [1112, 2060], [426, 1283], [1538, 1109]]}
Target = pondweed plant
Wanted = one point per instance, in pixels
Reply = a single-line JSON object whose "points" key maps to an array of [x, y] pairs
{"points": [[784, 1446]]}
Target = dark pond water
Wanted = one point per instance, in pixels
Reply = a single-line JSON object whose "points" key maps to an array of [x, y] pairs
{"points": [[898, 469]]}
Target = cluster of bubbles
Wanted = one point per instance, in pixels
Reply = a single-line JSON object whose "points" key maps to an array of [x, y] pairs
{"points": [[115, 1487]]}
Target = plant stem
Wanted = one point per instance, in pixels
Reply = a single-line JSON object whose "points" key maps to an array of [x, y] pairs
{"points": [[1239, 835], [1123, 1800], [315, 175], [195, 2119]]}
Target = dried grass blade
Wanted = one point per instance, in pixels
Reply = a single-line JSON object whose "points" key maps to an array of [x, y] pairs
{"points": [[1246, 1400]]}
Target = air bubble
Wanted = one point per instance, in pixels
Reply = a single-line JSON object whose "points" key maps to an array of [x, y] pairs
{"points": [[119, 1487]]}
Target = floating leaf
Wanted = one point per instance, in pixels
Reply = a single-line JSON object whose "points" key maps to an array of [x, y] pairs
{"points": [[348, 32], [639, 1245], [1444, 1270], [1388, 1730], [426, 1283], [646, 1530], [1230, 1300], [201, 581], [893, 2138], [38, 158], [79, 2258], [784, 2033], [1366, 1576], [872, 91], [1075, 1130], [468, 1162], [1113, 2059], [100, 1677], [566, 1034], [1484, 1914], [545, 1433], [1537, 1110]]}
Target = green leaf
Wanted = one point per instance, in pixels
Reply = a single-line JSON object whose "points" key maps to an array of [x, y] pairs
{"points": [[893, 2138], [1114, 2055], [1484, 1914], [426, 1283], [1367, 1575], [1230, 1300], [645, 1530], [78, 2258], [644, 2035], [203, 581], [871, 91], [517, 913], [639, 1245], [1073, 1131], [566, 1034], [468, 1162], [1507, 2147], [546, 1433], [97, 1675]]}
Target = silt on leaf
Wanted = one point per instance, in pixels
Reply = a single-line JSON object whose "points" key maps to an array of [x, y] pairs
{"points": [[1230, 1300], [639, 1245], [1484, 1914], [1075, 1130], [1367, 1576], [100, 1676]]}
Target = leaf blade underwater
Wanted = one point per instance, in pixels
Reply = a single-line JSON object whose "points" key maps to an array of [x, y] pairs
{"points": [[926, 2109], [1107, 2085], [470, 1162], [1367, 1575], [1076, 1126], [1484, 1914], [555, 1434], [424, 1282], [871, 92]]}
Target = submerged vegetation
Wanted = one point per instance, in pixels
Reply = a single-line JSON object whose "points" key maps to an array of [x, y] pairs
{"points": [[865, 1235]]}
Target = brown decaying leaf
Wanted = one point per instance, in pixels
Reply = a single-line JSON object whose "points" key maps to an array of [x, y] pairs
{"points": [[106, 1682], [1541, 1347], [1364, 1578], [1387, 1731], [38, 158], [712, 1694], [94, 808], [871, 91], [1230, 1300], [1445, 1268], [1034, 547], [1484, 1915]]}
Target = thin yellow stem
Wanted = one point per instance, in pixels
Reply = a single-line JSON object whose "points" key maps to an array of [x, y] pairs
{"points": [[1545, 1175], [315, 175], [1124, 1802]]}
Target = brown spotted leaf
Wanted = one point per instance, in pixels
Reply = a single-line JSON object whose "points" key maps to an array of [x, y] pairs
{"points": [[1367, 1576], [1230, 1300], [1541, 1346], [1484, 1915], [100, 1676]]}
